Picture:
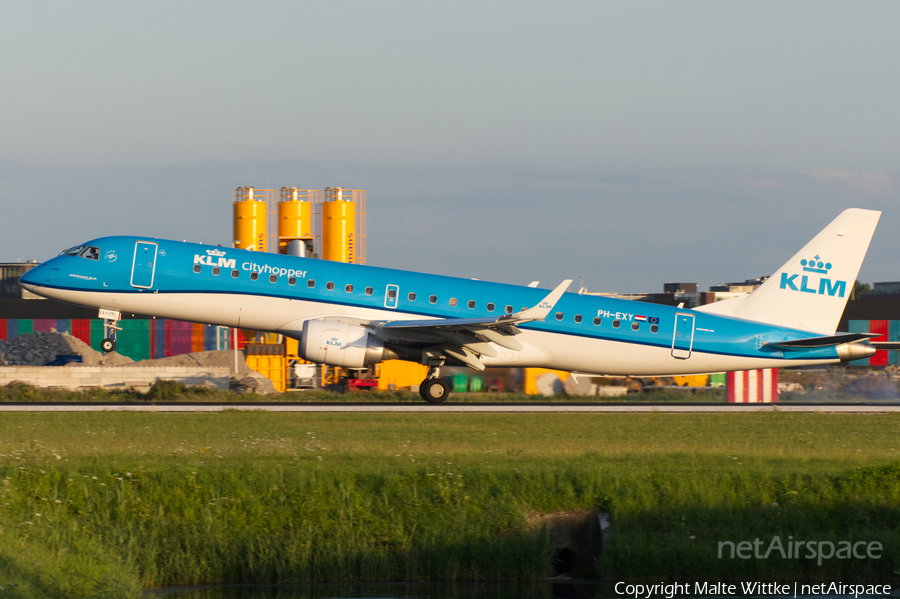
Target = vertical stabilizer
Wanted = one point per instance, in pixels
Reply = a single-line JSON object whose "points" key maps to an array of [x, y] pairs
{"points": [[811, 290]]}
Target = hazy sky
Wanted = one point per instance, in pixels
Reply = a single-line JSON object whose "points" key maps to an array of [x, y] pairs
{"points": [[632, 143]]}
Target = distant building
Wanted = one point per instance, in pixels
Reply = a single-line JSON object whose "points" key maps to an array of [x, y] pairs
{"points": [[9, 280], [680, 288], [748, 286], [888, 288]]}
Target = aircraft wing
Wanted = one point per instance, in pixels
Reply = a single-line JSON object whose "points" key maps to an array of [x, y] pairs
{"points": [[538, 312], [466, 339]]}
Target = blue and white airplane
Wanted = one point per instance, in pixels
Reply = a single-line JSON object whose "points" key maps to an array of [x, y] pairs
{"points": [[353, 316]]}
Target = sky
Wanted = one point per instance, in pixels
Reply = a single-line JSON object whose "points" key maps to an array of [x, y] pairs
{"points": [[629, 143]]}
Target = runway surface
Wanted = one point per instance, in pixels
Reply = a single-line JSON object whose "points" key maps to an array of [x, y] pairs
{"points": [[499, 408]]}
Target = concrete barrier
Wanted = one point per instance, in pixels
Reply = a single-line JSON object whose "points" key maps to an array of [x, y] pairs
{"points": [[113, 377]]}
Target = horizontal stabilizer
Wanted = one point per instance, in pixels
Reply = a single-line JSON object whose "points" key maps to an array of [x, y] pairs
{"points": [[826, 341]]}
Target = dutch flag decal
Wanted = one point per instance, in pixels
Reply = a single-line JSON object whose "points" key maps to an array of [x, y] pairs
{"points": [[640, 318]]}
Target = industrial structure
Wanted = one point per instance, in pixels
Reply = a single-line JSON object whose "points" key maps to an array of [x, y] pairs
{"points": [[329, 224]]}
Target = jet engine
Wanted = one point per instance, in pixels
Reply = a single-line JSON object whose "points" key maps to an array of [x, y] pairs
{"points": [[341, 344]]}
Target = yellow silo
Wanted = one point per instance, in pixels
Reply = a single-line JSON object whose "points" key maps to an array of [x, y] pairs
{"points": [[294, 222], [338, 227], [250, 217]]}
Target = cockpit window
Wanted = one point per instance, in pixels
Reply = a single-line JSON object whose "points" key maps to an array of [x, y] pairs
{"points": [[85, 251], [91, 253], [72, 251]]}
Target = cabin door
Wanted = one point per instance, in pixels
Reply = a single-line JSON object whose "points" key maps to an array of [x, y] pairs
{"points": [[683, 339], [144, 265]]}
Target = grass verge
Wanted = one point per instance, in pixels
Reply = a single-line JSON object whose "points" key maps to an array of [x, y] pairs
{"points": [[107, 503]]}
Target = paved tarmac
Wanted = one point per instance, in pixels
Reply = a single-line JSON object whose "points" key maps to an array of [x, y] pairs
{"points": [[501, 408]]}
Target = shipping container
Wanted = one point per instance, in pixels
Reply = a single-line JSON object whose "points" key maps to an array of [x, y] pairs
{"points": [[43, 325], [894, 335], [63, 325], [98, 333], [25, 326], [3, 329], [81, 329], [880, 327], [160, 343], [179, 337], [133, 340]]}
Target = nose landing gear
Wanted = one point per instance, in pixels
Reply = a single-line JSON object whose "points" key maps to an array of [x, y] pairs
{"points": [[110, 322]]}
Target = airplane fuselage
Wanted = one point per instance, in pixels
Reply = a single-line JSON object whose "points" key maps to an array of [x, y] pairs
{"points": [[272, 292]]}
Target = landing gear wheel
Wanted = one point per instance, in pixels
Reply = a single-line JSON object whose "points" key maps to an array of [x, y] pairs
{"points": [[434, 390], [108, 345]]}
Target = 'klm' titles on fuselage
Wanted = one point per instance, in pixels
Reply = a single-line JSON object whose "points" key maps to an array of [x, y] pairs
{"points": [[223, 262], [826, 287], [220, 262]]}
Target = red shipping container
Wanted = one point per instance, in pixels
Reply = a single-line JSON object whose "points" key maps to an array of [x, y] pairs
{"points": [[81, 329], [3, 329], [881, 327]]}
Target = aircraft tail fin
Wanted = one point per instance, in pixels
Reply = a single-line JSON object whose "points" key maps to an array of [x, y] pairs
{"points": [[811, 290]]}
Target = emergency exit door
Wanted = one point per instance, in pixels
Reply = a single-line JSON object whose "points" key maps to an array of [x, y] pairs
{"points": [[683, 339], [143, 267]]}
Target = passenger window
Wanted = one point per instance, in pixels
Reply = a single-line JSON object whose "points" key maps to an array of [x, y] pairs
{"points": [[509, 309], [273, 278], [348, 288], [635, 326], [254, 276], [452, 301], [329, 285], [616, 324], [292, 280], [235, 274], [471, 304], [216, 271], [411, 296], [559, 316], [392, 293], [311, 283], [369, 290], [432, 299], [196, 268], [597, 321], [490, 307], [654, 328], [578, 318]]}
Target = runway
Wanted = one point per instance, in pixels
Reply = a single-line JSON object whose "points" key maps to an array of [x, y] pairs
{"points": [[476, 408]]}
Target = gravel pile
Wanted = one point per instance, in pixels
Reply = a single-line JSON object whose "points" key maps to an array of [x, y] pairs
{"points": [[36, 349]]}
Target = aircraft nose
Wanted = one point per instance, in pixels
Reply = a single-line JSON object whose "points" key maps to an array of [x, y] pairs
{"points": [[35, 277]]}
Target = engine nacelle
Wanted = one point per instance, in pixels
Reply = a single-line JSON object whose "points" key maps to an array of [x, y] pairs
{"points": [[341, 344]]}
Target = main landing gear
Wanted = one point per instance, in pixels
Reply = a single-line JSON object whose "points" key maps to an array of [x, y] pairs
{"points": [[434, 389]]}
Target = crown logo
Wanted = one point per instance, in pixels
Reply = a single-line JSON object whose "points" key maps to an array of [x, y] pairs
{"points": [[215, 252], [815, 265]]}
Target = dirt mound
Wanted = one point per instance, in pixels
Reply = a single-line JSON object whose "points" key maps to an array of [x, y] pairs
{"points": [[36, 349], [206, 359]]}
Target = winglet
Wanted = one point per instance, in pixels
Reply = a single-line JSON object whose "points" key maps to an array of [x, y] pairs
{"points": [[543, 308]]}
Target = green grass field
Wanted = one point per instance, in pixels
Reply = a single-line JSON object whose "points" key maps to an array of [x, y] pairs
{"points": [[105, 504], [170, 391]]}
